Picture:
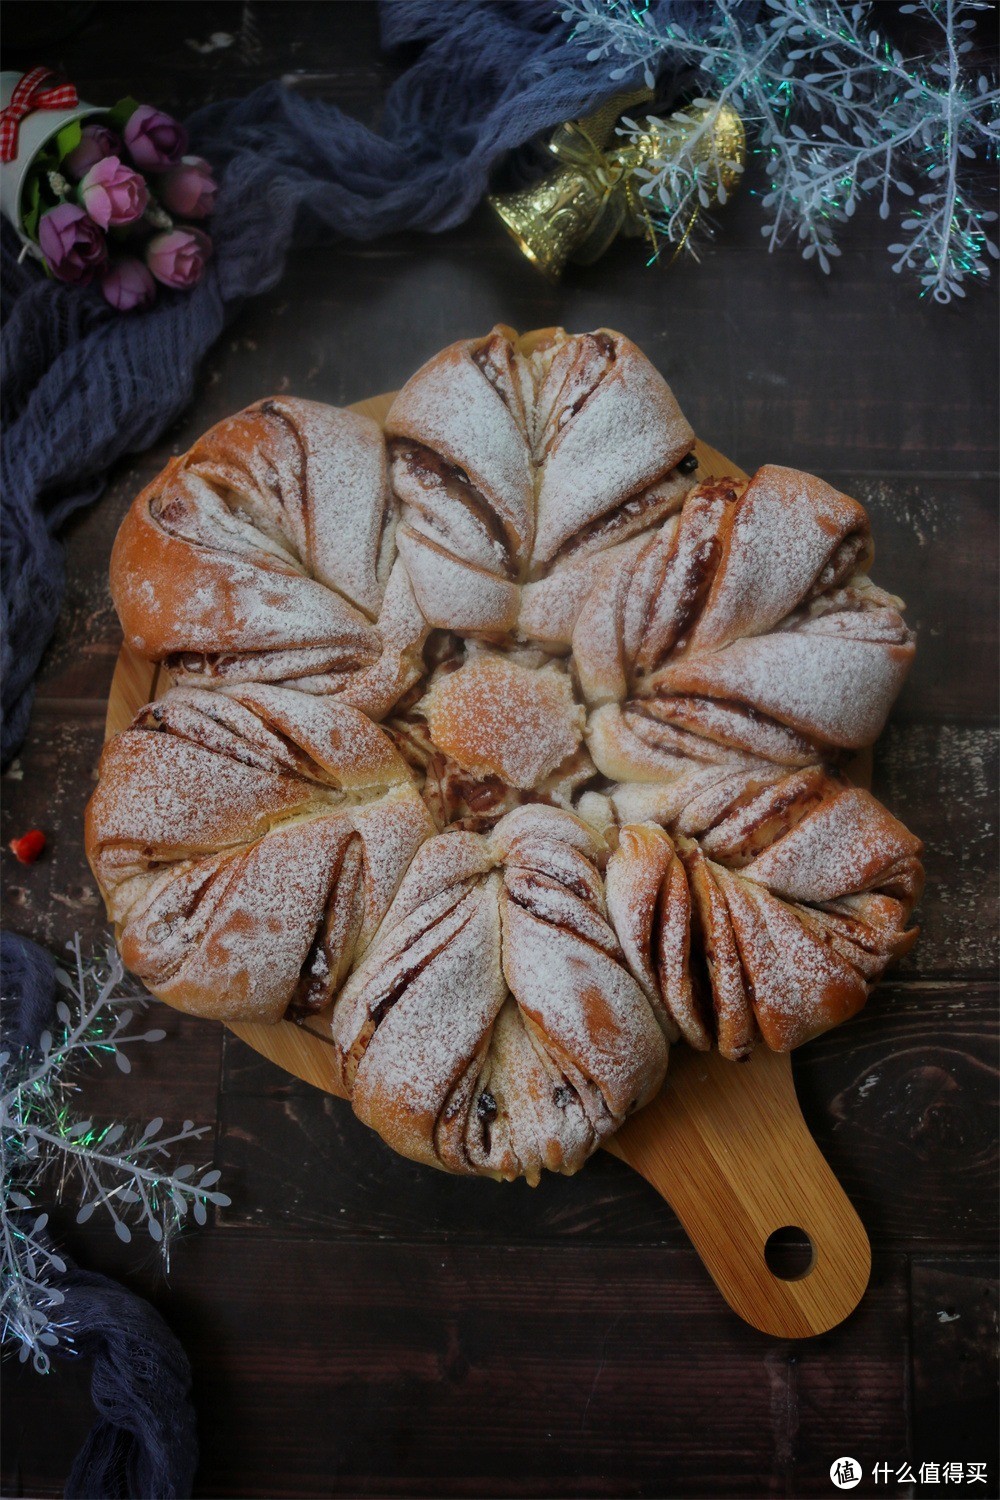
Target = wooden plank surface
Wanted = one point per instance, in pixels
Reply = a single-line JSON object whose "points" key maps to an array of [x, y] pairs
{"points": [[360, 1326], [955, 1390], [505, 1371]]}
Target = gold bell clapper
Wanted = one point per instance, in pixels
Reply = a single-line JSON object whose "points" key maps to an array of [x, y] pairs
{"points": [[596, 193]]}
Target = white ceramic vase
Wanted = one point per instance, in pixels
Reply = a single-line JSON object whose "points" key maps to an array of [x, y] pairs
{"points": [[35, 130]]}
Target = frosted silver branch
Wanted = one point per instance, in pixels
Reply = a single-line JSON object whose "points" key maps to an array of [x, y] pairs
{"points": [[836, 114], [116, 1169]]}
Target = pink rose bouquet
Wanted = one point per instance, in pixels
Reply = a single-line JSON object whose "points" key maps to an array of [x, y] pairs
{"points": [[96, 142], [178, 258], [128, 284], [154, 140], [113, 194], [73, 246], [188, 189], [109, 200]]}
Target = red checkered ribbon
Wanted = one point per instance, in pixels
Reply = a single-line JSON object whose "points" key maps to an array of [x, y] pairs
{"points": [[30, 94]]}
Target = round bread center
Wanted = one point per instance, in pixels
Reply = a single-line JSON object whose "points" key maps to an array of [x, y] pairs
{"points": [[496, 717]]}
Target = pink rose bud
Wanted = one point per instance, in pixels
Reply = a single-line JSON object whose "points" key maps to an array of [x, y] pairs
{"points": [[72, 244], [188, 189], [96, 142], [128, 285], [178, 257], [113, 193], [155, 141]]}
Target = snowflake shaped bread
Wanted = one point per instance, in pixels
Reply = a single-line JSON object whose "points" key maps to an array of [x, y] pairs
{"points": [[603, 809]]}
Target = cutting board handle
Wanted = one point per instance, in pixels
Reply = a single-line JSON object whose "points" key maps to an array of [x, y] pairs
{"points": [[726, 1145]]}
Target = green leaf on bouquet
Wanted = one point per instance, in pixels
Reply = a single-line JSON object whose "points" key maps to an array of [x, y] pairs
{"points": [[67, 139], [122, 112], [31, 206]]}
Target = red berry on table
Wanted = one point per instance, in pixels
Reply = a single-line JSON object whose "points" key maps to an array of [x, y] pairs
{"points": [[29, 846]]}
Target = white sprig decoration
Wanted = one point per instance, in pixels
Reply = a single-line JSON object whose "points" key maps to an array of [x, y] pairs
{"points": [[836, 113], [687, 171], [119, 1170]]}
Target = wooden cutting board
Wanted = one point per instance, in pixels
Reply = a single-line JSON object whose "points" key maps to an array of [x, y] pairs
{"points": [[724, 1143]]}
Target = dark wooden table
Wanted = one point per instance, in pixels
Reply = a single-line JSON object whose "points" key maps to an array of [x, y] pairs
{"points": [[361, 1325]]}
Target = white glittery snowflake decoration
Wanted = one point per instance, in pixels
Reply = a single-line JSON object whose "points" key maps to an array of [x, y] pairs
{"points": [[836, 113]]}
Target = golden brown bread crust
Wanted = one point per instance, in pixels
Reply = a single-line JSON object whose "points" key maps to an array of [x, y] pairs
{"points": [[509, 466], [772, 917], [605, 812], [745, 619], [496, 717], [493, 1026], [266, 554], [248, 842]]}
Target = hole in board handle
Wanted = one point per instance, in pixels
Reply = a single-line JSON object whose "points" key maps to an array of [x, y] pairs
{"points": [[789, 1253]]}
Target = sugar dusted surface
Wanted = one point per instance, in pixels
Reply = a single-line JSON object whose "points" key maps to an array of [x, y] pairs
{"points": [[250, 955], [841, 847], [494, 715], [587, 1003], [582, 433], [837, 691], [801, 986], [785, 528], [626, 435], [348, 487], [428, 1036], [459, 955], [450, 406], [454, 594], [392, 830], [168, 794], [755, 649], [168, 802], [266, 540], [549, 608]]}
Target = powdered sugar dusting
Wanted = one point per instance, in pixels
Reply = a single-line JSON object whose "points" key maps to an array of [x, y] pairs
{"points": [[809, 682], [846, 844], [450, 407], [508, 993], [801, 986], [454, 594], [249, 957], [587, 436], [628, 434], [785, 528], [422, 1003], [205, 773], [260, 555], [494, 715]]}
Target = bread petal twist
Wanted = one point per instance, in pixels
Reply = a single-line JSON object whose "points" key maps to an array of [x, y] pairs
{"points": [[772, 916], [266, 554], [493, 1025], [248, 842], [509, 465]]}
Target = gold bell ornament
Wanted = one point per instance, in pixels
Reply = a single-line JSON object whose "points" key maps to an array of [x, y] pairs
{"points": [[575, 212]]}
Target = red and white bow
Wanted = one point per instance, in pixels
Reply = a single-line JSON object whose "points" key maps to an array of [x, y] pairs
{"points": [[31, 94]]}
